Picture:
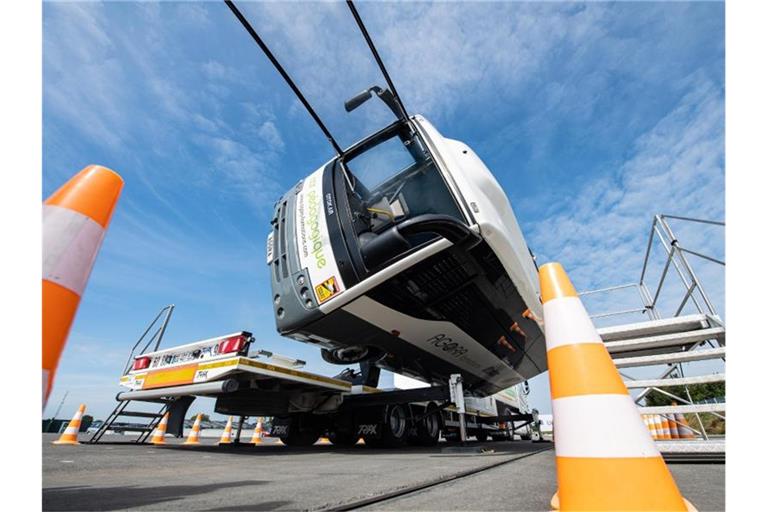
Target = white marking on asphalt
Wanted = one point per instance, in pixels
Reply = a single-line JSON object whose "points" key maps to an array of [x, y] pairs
{"points": [[66, 461]]}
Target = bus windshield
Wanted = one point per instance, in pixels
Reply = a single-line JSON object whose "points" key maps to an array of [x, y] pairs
{"points": [[397, 179]]}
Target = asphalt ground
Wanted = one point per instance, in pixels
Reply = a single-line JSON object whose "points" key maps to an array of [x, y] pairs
{"points": [[275, 477]]}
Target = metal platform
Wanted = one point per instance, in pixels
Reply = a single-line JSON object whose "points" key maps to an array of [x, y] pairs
{"points": [[670, 358], [682, 381], [662, 336], [692, 450]]}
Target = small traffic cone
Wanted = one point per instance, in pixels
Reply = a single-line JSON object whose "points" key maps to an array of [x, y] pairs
{"points": [[226, 437], [618, 466], [649, 425], [659, 427], [674, 432], [194, 436], [665, 431], [258, 433], [69, 436], [158, 436], [654, 427], [686, 432]]}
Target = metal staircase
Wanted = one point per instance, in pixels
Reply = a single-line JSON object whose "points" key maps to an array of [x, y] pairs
{"points": [[670, 342], [143, 430]]}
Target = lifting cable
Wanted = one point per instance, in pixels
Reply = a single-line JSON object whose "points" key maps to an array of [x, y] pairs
{"points": [[283, 73]]}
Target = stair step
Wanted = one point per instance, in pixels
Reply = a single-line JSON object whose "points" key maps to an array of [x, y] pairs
{"points": [[139, 414], [676, 357], [684, 409], [660, 383], [131, 428], [665, 340], [654, 327]]}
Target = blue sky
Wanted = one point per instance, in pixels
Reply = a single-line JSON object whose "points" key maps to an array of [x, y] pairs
{"points": [[592, 116]]}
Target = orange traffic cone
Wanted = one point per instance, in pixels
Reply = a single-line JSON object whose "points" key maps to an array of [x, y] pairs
{"points": [[666, 432], [69, 436], [194, 436], [75, 219], [655, 426], [674, 431], [258, 433], [158, 436], [618, 466], [226, 437], [685, 429], [649, 424]]}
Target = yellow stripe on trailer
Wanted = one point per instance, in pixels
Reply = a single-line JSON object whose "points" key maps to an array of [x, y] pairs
{"points": [[170, 377], [197, 372]]}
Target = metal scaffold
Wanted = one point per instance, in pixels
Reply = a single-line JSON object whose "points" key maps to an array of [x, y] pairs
{"points": [[692, 332]]}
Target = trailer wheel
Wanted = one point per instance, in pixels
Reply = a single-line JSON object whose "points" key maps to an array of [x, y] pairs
{"points": [[482, 436], [301, 438], [395, 425], [300, 432], [428, 429], [394, 428]]}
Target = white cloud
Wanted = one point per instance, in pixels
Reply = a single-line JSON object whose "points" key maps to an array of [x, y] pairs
{"points": [[271, 135], [599, 231], [131, 93]]}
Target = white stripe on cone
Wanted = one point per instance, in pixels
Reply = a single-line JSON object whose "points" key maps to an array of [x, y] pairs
{"points": [[627, 436], [71, 243], [73, 427], [573, 325]]}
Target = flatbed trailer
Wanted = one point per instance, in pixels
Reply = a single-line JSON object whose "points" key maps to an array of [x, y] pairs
{"points": [[305, 406]]}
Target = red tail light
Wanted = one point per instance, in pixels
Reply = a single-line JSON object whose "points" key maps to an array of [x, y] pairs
{"points": [[140, 363], [234, 344]]}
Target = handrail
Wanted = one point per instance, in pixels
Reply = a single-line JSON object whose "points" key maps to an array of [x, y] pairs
{"points": [[158, 334], [676, 258]]}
